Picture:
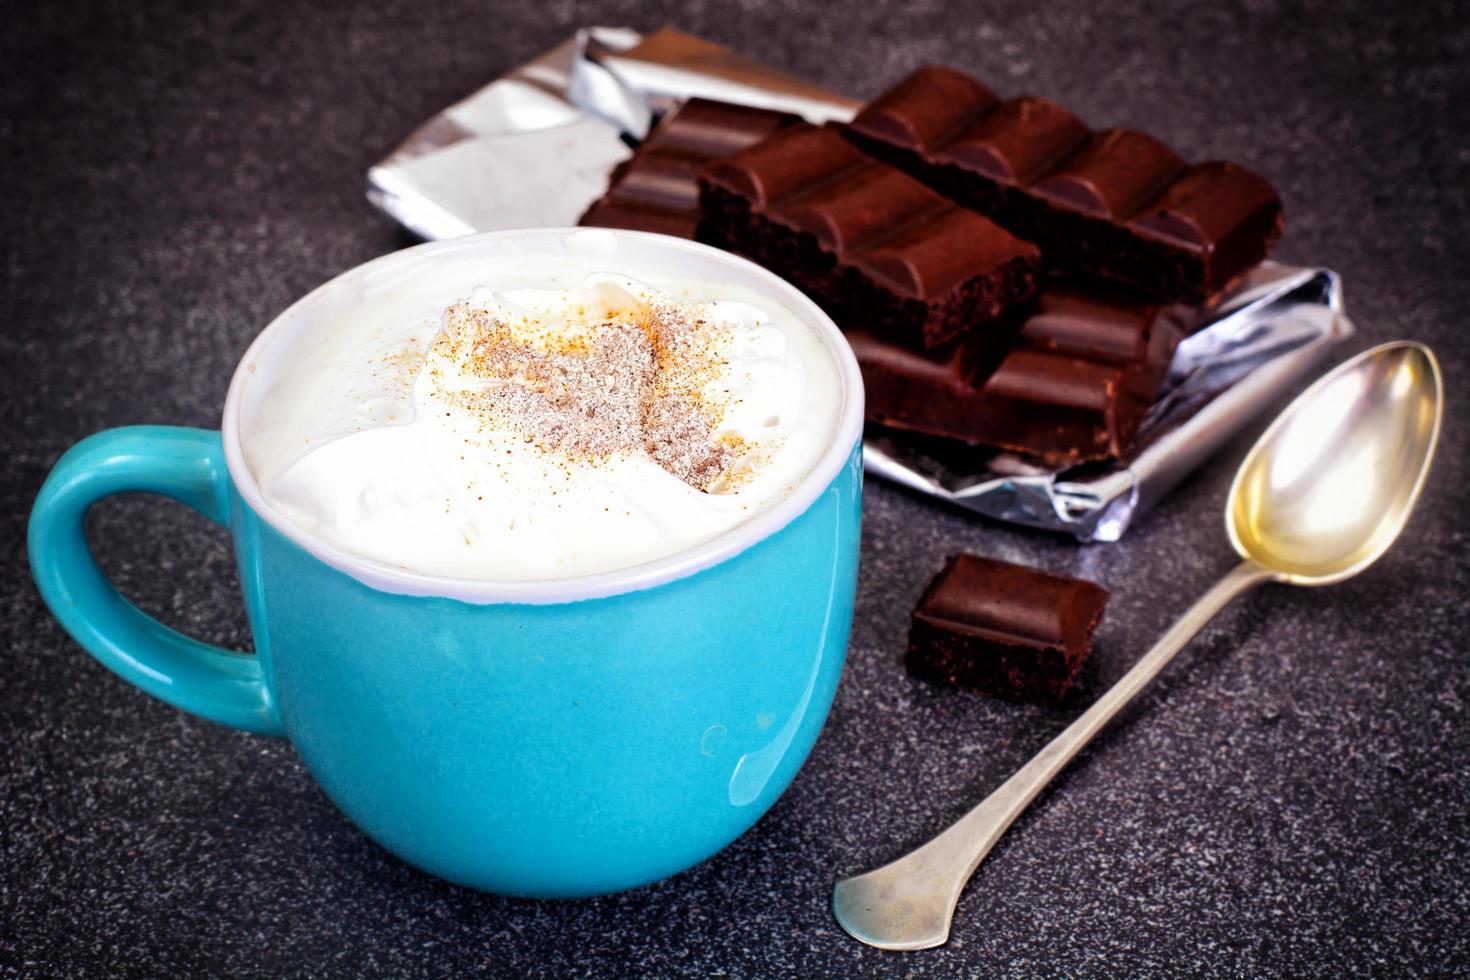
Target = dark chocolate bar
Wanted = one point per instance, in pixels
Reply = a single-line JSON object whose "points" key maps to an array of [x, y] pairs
{"points": [[878, 249], [1116, 203], [657, 188], [1003, 629], [1086, 367]]}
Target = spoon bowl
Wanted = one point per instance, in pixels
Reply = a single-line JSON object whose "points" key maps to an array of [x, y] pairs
{"points": [[1320, 497], [1329, 485]]}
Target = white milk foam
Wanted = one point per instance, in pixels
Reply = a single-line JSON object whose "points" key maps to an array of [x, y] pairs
{"points": [[363, 438]]}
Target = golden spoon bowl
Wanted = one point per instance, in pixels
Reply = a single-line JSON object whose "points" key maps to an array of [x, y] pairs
{"points": [[1329, 485]]}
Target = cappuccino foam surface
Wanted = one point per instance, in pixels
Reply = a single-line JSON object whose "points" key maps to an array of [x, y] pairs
{"points": [[479, 423]]}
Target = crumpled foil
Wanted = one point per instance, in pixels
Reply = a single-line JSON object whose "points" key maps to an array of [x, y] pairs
{"points": [[534, 148]]}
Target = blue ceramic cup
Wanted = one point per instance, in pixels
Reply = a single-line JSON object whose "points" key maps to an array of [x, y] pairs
{"points": [[540, 738]]}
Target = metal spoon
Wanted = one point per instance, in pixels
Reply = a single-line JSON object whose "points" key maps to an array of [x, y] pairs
{"points": [[1321, 496]]}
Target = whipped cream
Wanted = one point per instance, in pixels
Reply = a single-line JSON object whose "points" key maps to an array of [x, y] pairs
{"points": [[522, 432]]}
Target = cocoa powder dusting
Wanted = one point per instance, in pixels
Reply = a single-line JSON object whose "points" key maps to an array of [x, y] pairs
{"points": [[625, 384]]}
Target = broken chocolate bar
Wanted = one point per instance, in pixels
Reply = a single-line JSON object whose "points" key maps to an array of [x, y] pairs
{"points": [[1086, 367], [1003, 629], [878, 249], [657, 188], [1116, 203]]}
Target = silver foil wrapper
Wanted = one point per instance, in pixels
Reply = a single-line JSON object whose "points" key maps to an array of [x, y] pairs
{"points": [[535, 147]]}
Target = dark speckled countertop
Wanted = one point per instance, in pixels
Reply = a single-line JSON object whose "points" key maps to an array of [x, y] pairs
{"points": [[1293, 797]]}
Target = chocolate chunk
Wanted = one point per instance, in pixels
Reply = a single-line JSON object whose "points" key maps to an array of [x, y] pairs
{"points": [[1114, 175], [1207, 227], [1076, 386], [1003, 629], [1019, 141], [1116, 203], [928, 108], [657, 188], [878, 249]]}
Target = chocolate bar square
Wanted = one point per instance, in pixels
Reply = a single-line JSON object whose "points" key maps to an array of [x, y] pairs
{"points": [[878, 249], [1116, 203], [1086, 367], [1004, 629], [657, 189]]}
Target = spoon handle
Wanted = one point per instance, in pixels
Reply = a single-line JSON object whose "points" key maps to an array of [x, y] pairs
{"points": [[908, 903]]}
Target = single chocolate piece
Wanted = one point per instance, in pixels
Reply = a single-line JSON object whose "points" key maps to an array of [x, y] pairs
{"points": [[1017, 142], [657, 188], [1086, 367], [1194, 231], [1003, 629], [1116, 203], [875, 247]]}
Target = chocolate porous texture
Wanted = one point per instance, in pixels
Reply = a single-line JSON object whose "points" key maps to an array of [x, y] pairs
{"points": [[876, 248]]}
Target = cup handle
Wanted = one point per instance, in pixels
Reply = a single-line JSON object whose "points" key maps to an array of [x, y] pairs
{"points": [[186, 465]]}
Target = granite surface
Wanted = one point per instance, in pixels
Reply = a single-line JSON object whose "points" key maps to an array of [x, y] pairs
{"points": [[1292, 797]]}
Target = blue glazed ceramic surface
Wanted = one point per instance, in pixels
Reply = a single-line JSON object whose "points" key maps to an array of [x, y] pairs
{"points": [[561, 749], [578, 738]]}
